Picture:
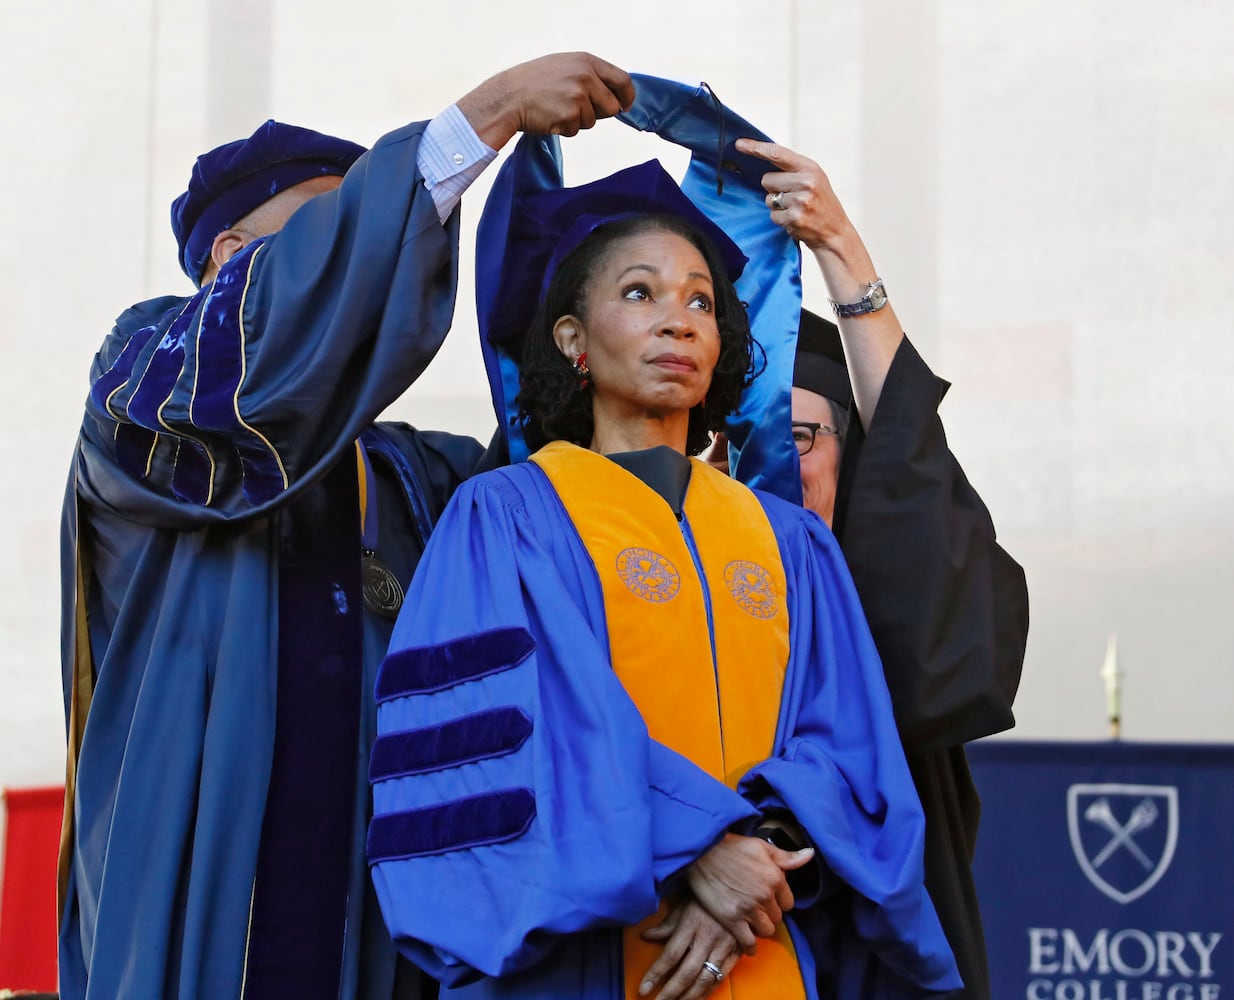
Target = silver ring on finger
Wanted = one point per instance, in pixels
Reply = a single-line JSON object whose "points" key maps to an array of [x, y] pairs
{"points": [[777, 201], [714, 969]]}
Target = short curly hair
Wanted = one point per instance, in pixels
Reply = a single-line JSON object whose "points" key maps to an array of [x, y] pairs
{"points": [[553, 407]]}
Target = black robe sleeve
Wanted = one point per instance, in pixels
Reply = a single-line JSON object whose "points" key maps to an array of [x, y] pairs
{"points": [[948, 607]]}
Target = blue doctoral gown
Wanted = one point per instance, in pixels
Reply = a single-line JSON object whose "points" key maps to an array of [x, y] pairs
{"points": [[522, 815], [217, 450]]}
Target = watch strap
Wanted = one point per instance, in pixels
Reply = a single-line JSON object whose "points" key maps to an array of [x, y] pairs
{"points": [[777, 836], [873, 300]]}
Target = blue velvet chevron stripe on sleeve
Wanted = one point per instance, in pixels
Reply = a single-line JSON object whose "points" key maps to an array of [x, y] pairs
{"points": [[425, 669], [473, 821], [478, 736]]}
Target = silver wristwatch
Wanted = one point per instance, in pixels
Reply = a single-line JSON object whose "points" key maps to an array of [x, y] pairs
{"points": [[873, 300]]}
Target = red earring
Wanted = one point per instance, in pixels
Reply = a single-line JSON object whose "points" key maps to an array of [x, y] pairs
{"points": [[582, 371]]}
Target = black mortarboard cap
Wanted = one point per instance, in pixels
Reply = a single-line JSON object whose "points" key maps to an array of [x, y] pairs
{"points": [[819, 365]]}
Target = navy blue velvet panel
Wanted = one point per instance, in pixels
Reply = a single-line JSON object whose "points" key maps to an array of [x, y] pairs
{"points": [[191, 480], [471, 822], [121, 369], [299, 909], [221, 345], [133, 446], [162, 371], [492, 733], [220, 360], [434, 668]]}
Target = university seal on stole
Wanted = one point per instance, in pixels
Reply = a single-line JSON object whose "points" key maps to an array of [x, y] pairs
{"points": [[751, 588], [648, 575]]}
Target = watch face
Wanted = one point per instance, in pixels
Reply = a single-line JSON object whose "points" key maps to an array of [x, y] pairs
{"points": [[877, 297]]}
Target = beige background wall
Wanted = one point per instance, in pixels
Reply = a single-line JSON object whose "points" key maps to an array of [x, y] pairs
{"points": [[1048, 192]]}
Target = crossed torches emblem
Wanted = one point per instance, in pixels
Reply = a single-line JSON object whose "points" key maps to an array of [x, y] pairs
{"points": [[1142, 817]]}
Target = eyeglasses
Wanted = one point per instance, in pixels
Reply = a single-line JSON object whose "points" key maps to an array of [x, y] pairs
{"points": [[804, 433]]}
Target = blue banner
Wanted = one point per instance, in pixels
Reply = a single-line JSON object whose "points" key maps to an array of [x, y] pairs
{"points": [[1105, 870]]}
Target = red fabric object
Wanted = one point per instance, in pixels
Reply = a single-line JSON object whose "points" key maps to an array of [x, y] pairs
{"points": [[28, 899]]}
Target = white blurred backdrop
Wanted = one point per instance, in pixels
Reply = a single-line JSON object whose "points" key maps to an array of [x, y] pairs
{"points": [[1048, 192]]}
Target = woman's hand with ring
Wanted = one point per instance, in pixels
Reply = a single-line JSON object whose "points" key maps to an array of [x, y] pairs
{"points": [[741, 883], [803, 203], [800, 195], [695, 946]]}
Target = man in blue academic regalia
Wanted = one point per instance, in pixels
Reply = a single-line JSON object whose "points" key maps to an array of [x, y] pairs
{"points": [[237, 537]]}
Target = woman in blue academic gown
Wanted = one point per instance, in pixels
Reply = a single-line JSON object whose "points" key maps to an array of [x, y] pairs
{"points": [[632, 718]]}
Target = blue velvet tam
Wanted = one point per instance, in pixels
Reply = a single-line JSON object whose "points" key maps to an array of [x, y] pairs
{"points": [[546, 225], [229, 182]]}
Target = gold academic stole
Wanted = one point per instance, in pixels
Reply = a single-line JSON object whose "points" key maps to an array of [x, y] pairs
{"points": [[719, 713]]}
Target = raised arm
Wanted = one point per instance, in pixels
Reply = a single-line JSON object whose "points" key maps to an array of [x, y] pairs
{"points": [[219, 406], [801, 200], [947, 606]]}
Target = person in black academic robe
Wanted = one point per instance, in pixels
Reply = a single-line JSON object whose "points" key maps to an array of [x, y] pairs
{"points": [[946, 605]]}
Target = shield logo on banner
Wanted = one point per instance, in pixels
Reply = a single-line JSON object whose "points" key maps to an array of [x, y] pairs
{"points": [[1123, 836]]}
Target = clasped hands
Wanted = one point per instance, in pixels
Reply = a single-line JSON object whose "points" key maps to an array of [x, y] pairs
{"points": [[737, 893]]}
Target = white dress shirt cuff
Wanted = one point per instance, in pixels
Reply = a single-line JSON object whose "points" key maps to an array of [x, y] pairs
{"points": [[450, 158]]}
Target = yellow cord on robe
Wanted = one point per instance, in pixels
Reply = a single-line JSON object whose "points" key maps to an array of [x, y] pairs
{"points": [[719, 714], [81, 694], [362, 472]]}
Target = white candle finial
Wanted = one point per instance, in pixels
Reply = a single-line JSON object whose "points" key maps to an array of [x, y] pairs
{"points": [[1113, 686]]}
